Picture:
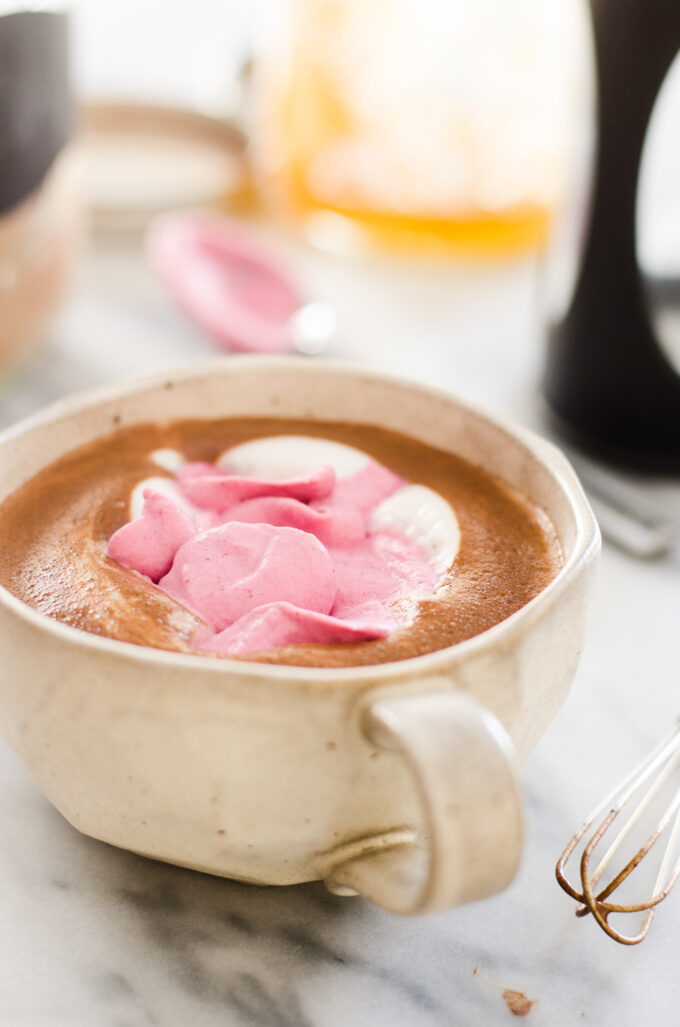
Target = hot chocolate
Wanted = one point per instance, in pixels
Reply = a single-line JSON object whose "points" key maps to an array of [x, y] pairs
{"points": [[193, 536]]}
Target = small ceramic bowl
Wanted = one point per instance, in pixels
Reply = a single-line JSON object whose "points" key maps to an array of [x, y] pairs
{"points": [[396, 781]]}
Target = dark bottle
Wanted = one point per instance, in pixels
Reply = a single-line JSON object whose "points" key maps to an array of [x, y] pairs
{"points": [[36, 104], [39, 179], [609, 386]]}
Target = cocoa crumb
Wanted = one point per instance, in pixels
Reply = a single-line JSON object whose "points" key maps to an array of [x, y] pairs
{"points": [[517, 1002]]}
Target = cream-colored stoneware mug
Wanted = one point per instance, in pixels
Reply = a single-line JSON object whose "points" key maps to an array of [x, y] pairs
{"points": [[394, 781]]}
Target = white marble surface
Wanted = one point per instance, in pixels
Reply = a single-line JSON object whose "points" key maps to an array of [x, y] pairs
{"points": [[92, 936]]}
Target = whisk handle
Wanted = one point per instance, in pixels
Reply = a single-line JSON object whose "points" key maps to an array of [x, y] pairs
{"points": [[462, 761]]}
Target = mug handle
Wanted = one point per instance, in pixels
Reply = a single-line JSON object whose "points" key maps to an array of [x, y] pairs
{"points": [[462, 760]]}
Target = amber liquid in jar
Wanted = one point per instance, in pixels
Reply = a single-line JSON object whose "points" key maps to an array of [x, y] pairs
{"points": [[419, 127]]}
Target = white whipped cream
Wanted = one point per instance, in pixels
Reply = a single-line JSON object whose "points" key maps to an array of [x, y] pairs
{"points": [[169, 459], [167, 487], [291, 456], [424, 518]]}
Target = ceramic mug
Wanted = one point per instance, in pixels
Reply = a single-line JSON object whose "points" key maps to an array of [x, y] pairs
{"points": [[395, 781]]}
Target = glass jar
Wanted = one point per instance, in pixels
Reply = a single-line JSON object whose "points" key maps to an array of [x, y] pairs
{"points": [[419, 126]]}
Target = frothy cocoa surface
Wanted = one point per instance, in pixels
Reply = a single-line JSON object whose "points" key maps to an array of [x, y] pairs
{"points": [[55, 530]]}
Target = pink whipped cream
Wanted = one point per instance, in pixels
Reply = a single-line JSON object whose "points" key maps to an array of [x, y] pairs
{"points": [[268, 562]]}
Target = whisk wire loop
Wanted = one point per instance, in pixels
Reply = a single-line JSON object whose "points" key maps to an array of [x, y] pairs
{"points": [[655, 770]]}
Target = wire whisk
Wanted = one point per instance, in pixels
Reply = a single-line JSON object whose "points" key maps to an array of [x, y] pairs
{"points": [[654, 772]]}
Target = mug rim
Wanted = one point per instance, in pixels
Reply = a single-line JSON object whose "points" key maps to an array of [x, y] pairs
{"points": [[587, 535]]}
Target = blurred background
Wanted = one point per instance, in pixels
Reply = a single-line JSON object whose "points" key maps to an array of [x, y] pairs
{"points": [[407, 184], [483, 196]]}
